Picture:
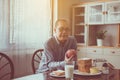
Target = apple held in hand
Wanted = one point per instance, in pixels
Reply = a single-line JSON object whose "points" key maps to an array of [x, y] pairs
{"points": [[71, 52]]}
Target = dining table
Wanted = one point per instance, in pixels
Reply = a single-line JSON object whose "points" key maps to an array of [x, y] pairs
{"points": [[112, 75]]}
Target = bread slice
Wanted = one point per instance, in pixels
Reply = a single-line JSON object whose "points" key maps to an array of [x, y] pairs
{"points": [[59, 72]]}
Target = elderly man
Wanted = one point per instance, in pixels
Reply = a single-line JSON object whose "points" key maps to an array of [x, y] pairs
{"points": [[55, 48]]}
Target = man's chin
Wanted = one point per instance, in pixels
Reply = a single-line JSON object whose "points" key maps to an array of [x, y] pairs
{"points": [[65, 39]]}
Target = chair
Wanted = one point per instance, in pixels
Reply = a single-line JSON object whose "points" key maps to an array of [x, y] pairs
{"points": [[6, 67], [36, 59]]}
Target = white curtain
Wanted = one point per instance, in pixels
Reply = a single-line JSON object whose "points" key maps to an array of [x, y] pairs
{"points": [[4, 24], [24, 28], [24, 23], [30, 23]]}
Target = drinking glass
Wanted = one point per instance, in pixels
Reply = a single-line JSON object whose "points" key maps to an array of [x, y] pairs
{"points": [[69, 68]]}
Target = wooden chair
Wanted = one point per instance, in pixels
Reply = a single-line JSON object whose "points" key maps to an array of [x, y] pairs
{"points": [[36, 59], [6, 67]]}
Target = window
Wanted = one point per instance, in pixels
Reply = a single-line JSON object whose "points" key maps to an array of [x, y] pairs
{"points": [[24, 23]]}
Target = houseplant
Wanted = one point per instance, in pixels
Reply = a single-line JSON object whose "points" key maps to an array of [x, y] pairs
{"points": [[100, 37]]}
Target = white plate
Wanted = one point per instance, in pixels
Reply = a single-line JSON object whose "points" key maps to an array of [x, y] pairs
{"points": [[85, 74], [54, 75]]}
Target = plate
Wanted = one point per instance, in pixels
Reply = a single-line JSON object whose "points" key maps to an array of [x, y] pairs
{"points": [[54, 75], [85, 74]]}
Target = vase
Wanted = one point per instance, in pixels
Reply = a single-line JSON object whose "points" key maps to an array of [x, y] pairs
{"points": [[99, 42]]}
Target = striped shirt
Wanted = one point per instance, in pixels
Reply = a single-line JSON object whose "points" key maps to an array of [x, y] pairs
{"points": [[54, 53]]}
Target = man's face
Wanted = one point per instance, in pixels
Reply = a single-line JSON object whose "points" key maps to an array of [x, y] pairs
{"points": [[62, 31]]}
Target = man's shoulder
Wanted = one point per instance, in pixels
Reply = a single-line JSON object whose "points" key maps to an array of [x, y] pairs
{"points": [[50, 39], [72, 39]]}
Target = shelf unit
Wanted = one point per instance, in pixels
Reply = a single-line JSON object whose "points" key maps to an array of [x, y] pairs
{"points": [[89, 18], [111, 37], [104, 13], [79, 23]]}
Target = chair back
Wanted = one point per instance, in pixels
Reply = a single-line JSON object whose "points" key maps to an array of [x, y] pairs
{"points": [[36, 58], [6, 67]]}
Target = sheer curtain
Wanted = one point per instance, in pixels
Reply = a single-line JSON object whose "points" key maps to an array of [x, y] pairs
{"points": [[30, 23], [30, 28], [4, 24], [24, 27]]}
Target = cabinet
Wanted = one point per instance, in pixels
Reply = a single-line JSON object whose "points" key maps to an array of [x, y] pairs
{"points": [[94, 50], [112, 51], [81, 52], [79, 23], [90, 18], [104, 13], [96, 15], [111, 54]]}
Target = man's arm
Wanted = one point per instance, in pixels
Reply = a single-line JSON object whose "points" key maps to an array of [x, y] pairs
{"points": [[52, 64], [48, 62]]}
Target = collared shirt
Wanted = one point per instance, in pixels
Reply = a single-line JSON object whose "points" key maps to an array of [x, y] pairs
{"points": [[54, 53]]}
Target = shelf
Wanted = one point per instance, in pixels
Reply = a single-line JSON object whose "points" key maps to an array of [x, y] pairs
{"points": [[96, 14], [80, 14], [81, 44], [82, 34], [114, 12], [94, 46], [110, 37], [80, 24]]}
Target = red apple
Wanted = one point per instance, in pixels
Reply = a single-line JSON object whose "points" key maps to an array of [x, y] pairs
{"points": [[71, 52]]}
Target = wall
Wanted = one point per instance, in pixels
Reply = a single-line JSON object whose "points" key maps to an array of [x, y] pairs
{"points": [[63, 9]]}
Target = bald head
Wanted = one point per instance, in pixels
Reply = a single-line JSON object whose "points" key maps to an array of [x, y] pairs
{"points": [[59, 21]]}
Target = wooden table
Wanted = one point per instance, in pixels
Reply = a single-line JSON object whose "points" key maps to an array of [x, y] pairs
{"points": [[113, 75]]}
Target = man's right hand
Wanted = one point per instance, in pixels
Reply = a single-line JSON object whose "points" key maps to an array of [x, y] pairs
{"points": [[68, 59]]}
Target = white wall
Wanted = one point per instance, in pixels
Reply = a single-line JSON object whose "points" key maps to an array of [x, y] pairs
{"points": [[65, 9]]}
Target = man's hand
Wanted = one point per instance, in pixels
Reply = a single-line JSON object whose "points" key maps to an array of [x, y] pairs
{"points": [[68, 59], [70, 52], [70, 55]]}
